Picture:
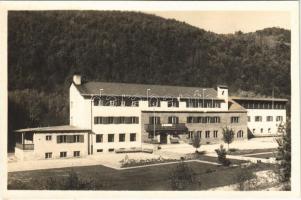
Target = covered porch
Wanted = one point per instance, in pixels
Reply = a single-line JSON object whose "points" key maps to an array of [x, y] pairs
{"points": [[24, 140], [166, 133]]}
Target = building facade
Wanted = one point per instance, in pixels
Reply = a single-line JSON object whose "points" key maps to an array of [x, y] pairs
{"points": [[265, 115], [109, 117]]}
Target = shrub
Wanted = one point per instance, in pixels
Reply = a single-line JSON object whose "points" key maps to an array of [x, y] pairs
{"points": [[126, 162], [221, 153], [183, 177], [233, 150], [196, 141]]}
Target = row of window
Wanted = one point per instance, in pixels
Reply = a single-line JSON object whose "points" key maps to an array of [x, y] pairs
{"points": [[203, 120], [268, 118], [239, 134], [175, 120], [156, 120], [269, 105], [67, 138], [63, 154], [133, 102], [116, 120], [111, 137], [262, 130], [199, 133]]}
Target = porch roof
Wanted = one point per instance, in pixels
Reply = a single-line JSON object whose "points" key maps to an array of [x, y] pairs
{"points": [[64, 128]]}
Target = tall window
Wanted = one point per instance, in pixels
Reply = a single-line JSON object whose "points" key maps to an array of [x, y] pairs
{"points": [[207, 134], [269, 118], [154, 120], [75, 138], [215, 134], [110, 137], [133, 137], [190, 134], [240, 134], [249, 118], [99, 138], [122, 137], [199, 133], [234, 119], [258, 118], [173, 120]]}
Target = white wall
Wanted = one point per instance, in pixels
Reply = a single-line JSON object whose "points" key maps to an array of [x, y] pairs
{"points": [[115, 129], [42, 146], [80, 111], [273, 125]]}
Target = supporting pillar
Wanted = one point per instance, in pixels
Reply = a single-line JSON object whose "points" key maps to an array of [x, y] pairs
{"points": [[22, 141], [168, 138]]}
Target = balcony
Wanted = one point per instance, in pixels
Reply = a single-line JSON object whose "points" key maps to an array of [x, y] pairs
{"points": [[25, 146], [165, 127]]}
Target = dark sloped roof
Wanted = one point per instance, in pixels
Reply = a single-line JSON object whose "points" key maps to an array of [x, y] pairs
{"points": [[64, 128], [129, 89], [233, 106], [258, 99]]}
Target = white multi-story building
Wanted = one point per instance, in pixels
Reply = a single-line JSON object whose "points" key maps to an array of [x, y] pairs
{"points": [[265, 115], [111, 117]]}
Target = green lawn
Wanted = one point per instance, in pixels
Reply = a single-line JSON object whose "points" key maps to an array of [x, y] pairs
{"points": [[146, 178]]}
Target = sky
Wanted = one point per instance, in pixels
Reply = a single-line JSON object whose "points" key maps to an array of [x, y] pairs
{"points": [[230, 21]]}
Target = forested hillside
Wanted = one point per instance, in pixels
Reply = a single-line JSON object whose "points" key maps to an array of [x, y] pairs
{"points": [[46, 48]]}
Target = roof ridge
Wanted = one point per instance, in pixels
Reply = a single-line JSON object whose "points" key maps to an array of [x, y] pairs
{"points": [[147, 84]]}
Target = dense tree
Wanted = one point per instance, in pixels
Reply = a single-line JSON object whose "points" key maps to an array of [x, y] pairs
{"points": [[196, 141], [228, 136], [46, 48], [284, 155]]}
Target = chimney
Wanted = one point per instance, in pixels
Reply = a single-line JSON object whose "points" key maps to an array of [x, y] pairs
{"points": [[222, 92], [77, 79]]}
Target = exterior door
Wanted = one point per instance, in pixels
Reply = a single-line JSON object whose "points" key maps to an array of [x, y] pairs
{"points": [[163, 138]]}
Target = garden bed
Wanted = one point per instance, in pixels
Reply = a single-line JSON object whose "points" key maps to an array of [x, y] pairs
{"points": [[127, 162]]}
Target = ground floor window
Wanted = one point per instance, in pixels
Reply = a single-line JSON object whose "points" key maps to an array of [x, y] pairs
{"points": [[111, 150], [111, 138], [99, 138], [76, 153], [215, 134], [48, 155], [133, 137], [190, 134], [99, 150], [240, 134], [207, 134], [63, 154], [122, 137], [199, 133]]}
